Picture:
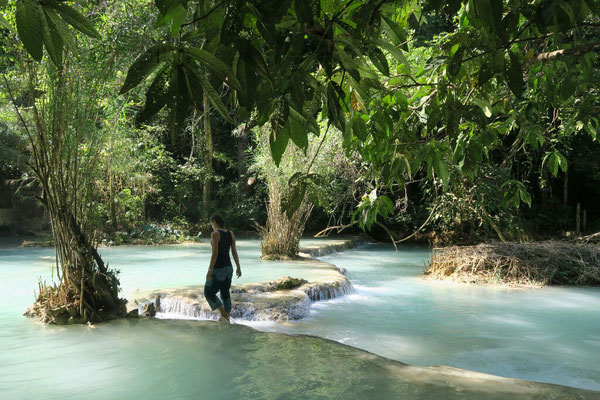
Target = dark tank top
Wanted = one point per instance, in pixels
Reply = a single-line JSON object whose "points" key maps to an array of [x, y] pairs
{"points": [[223, 259]]}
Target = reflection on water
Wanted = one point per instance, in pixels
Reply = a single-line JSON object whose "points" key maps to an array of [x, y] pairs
{"points": [[549, 335]]}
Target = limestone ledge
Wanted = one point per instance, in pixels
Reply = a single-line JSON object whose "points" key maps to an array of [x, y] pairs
{"points": [[255, 301], [332, 246]]}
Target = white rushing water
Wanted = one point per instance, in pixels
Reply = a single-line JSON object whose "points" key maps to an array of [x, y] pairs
{"points": [[549, 335]]}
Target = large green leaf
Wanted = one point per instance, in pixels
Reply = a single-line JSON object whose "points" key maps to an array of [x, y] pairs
{"points": [[359, 128], [394, 51], [4, 24], [308, 124], [303, 10], [145, 64], [293, 200], [379, 60], [183, 101], [61, 27], [210, 91], [484, 105], [348, 63], [490, 12], [514, 74], [395, 33], [52, 38], [75, 19], [157, 95], [277, 143], [297, 90], [298, 132], [334, 109], [455, 62], [485, 74], [29, 27], [215, 64]]}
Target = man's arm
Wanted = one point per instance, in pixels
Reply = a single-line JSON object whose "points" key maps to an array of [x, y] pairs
{"points": [[235, 256], [214, 241]]}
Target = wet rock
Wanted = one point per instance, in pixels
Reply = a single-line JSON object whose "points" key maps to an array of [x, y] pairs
{"points": [[149, 310], [135, 313], [287, 282]]}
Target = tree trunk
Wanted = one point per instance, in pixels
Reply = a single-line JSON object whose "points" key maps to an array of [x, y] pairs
{"points": [[565, 189], [208, 155], [87, 290]]}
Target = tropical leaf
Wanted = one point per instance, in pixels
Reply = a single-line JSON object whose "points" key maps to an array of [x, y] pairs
{"points": [[485, 74], [379, 60], [29, 27], [61, 27], [4, 24], [490, 13], [484, 105], [395, 33], [298, 132], [157, 95], [210, 91], [348, 63], [214, 64], [514, 74], [292, 202], [75, 19], [394, 51], [52, 38], [308, 123], [277, 143], [455, 62], [145, 64], [182, 99], [303, 10], [359, 128]]}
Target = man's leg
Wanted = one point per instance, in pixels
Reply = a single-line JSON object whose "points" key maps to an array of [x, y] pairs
{"points": [[224, 288], [211, 288]]}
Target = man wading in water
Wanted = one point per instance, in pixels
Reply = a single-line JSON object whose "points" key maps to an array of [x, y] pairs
{"points": [[220, 270]]}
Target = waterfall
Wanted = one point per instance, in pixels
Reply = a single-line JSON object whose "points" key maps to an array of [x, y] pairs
{"points": [[328, 291]]}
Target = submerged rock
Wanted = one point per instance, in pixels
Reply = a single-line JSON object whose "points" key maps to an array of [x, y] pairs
{"points": [[287, 282]]}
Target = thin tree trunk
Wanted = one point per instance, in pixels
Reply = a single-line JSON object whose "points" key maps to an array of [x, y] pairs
{"points": [[565, 189], [208, 156]]}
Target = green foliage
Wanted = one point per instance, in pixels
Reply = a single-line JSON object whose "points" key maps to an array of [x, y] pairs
{"points": [[439, 91], [48, 20]]}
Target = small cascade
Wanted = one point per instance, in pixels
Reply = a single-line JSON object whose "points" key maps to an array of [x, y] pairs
{"points": [[177, 305], [328, 291]]}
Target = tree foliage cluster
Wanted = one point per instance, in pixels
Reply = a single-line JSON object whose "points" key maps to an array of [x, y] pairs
{"points": [[420, 90]]}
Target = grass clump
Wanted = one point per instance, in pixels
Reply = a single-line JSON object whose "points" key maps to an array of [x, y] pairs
{"points": [[531, 264]]}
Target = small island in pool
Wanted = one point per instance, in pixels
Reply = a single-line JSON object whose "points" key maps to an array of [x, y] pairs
{"points": [[288, 298], [519, 264]]}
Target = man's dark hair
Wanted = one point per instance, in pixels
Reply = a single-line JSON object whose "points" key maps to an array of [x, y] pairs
{"points": [[218, 219]]}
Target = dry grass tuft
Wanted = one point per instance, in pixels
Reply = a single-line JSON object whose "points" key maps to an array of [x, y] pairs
{"points": [[538, 263]]}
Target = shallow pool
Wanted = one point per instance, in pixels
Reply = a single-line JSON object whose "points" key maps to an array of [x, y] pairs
{"points": [[547, 335], [550, 335]]}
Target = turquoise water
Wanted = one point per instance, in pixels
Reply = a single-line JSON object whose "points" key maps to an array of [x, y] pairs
{"points": [[550, 335], [546, 335]]}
